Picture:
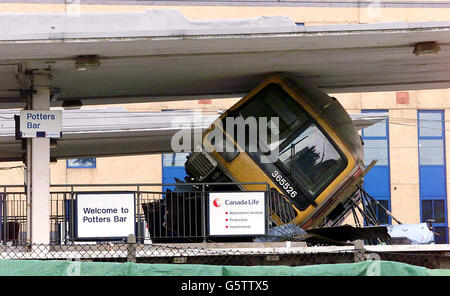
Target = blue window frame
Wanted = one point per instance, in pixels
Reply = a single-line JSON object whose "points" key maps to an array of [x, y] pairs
{"points": [[174, 159], [377, 182], [81, 163], [173, 167], [432, 171]]}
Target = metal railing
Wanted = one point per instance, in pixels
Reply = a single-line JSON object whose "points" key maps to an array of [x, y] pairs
{"points": [[13, 215], [161, 216], [156, 223], [239, 254]]}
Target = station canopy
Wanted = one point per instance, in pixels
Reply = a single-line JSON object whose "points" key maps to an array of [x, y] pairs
{"points": [[113, 131], [159, 55]]}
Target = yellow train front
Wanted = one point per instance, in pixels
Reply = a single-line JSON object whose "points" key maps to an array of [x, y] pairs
{"points": [[306, 148]]}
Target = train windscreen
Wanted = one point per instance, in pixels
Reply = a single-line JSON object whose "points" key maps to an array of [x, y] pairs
{"points": [[306, 155], [311, 159]]}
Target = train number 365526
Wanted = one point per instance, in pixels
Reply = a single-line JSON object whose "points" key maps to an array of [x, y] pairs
{"points": [[284, 184]]}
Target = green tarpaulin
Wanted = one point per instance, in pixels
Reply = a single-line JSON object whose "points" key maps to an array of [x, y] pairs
{"points": [[74, 268]]}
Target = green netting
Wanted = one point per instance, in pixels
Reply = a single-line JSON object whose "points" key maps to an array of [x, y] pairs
{"points": [[439, 272], [63, 268]]}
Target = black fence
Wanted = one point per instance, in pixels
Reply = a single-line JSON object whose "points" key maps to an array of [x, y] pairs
{"points": [[171, 227], [13, 215], [163, 212], [178, 214], [238, 254]]}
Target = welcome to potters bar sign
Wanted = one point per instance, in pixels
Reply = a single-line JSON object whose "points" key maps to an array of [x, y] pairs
{"points": [[105, 215]]}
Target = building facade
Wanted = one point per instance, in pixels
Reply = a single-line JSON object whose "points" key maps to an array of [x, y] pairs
{"points": [[411, 146]]}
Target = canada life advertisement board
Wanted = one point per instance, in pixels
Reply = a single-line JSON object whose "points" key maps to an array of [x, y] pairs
{"points": [[237, 213]]}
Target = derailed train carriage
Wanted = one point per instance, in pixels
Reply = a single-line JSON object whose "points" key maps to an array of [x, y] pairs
{"points": [[314, 166]]}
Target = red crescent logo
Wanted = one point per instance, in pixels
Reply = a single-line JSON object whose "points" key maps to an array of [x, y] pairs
{"points": [[216, 203]]}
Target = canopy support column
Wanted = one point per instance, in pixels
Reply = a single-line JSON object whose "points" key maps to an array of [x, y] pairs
{"points": [[40, 166]]}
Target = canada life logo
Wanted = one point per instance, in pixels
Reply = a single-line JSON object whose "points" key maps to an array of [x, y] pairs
{"points": [[217, 203]]}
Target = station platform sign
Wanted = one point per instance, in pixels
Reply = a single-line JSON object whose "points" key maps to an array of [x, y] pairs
{"points": [[40, 124], [105, 215]]}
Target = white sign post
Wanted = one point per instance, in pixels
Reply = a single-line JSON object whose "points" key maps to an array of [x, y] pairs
{"points": [[40, 123], [237, 213], [105, 215]]}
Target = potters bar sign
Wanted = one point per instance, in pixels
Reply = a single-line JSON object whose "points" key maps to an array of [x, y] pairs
{"points": [[105, 215], [40, 123], [237, 213]]}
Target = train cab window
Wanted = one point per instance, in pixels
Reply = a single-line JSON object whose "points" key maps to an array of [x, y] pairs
{"points": [[271, 102], [306, 155], [312, 160]]}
